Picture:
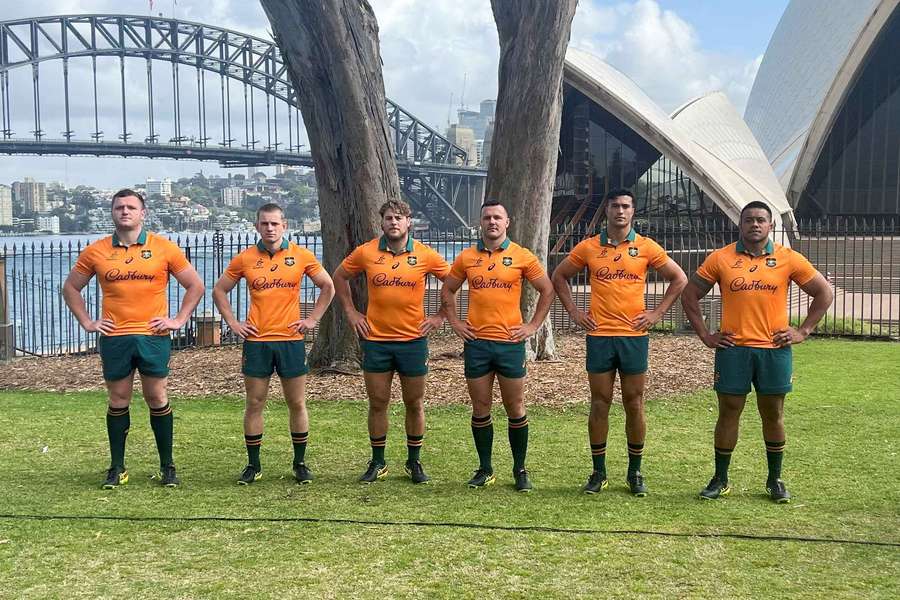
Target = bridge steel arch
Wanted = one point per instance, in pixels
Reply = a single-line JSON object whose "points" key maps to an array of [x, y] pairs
{"points": [[433, 172]]}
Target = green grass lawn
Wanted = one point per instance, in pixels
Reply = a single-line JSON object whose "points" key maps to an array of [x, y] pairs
{"points": [[336, 538]]}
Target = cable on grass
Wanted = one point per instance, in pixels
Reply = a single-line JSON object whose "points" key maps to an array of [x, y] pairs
{"points": [[452, 525]]}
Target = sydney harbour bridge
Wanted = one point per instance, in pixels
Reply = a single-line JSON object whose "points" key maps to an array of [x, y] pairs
{"points": [[154, 87]]}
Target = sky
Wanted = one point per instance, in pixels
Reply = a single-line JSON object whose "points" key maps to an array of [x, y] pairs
{"points": [[674, 49]]}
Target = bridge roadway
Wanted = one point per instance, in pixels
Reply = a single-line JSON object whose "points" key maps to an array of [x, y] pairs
{"points": [[226, 156]]}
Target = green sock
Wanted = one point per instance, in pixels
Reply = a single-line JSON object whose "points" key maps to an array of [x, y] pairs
{"points": [[413, 447], [162, 423], [635, 454], [774, 456], [253, 443], [299, 440], [723, 459], [598, 457], [378, 445], [483, 434], [518, 440], [118, 421]]}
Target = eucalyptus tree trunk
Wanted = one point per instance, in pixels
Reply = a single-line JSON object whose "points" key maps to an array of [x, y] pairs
{"points": [[332, 52], [533, 36]]}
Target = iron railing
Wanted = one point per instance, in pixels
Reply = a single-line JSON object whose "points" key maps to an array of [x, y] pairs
{"points": [[862, 261]]}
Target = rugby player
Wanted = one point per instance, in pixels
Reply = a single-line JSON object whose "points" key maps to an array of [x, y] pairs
{"points": [[617, 324], [494, 335], [273, 332], [133, 267], [753, 344], [393, 331]]}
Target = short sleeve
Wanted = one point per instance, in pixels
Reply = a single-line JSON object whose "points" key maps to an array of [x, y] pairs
{"points": [[579, 256], [312, 265], [178, 262], [439, 267], [235, 268], [458, 270], [658, 256], [532, 267], [802, 271], [709, 270], [86, 265], [354, 263]]}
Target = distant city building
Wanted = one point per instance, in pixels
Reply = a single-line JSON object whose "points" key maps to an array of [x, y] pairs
{"points": [[32, 195], [479, 120], [6, 215], [464, 137], [47, 223], [232, 196], [159, 188]]}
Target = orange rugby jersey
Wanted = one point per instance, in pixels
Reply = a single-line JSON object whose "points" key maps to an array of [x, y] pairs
{"points": [[396, 284], [618, 274], [274, 282], [754, 289], [134, 280], [495, 286]]}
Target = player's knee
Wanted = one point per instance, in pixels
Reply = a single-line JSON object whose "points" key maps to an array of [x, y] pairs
{"points": [[156, 399], [255, 404], [515, 407]]}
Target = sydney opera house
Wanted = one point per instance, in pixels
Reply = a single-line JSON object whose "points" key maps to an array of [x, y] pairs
{"points": [[820, 136]]}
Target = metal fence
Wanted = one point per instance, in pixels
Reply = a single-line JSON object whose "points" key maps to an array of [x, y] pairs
{"points": [[862, 261]]}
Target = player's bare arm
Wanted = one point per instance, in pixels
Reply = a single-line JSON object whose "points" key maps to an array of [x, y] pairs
{"points": [[561, 276], [672, 273], [696, 289]]}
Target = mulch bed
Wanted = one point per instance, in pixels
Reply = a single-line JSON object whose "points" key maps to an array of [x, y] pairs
{"points": [[678, 364]]}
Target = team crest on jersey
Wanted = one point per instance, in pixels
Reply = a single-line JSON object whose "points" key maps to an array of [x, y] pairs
{"points": [[411, 261], [289, 261], [632, 251], [507, 261], [380, 260], [145, 254], [770, 262]]}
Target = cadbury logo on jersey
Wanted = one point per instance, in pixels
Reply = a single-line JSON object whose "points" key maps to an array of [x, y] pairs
{"points": [[263, 283], [117, 275], [739, 284], [383, 280], [480, 283], [605, 274]]}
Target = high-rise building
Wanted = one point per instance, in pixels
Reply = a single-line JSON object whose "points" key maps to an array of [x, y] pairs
{"points": [[159, 188], [232, 196], [464, 137], [6, 214], [31, 194]]}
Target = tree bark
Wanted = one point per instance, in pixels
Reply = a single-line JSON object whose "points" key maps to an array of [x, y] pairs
{"points": [[533, 36], [332, 52]]}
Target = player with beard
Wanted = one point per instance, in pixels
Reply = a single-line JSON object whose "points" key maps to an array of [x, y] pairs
{"points": [[393, 331], [753, 344], [494, 335]]}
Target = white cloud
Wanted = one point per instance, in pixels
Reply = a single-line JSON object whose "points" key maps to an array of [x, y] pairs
{"points": [[427, 48], [661, 52]]}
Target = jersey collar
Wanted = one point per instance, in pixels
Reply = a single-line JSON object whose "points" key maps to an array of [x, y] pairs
{"points": [[503, 246], [383, 245], [141, 239], [262, 247], [740, 248], [604, 237]]}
